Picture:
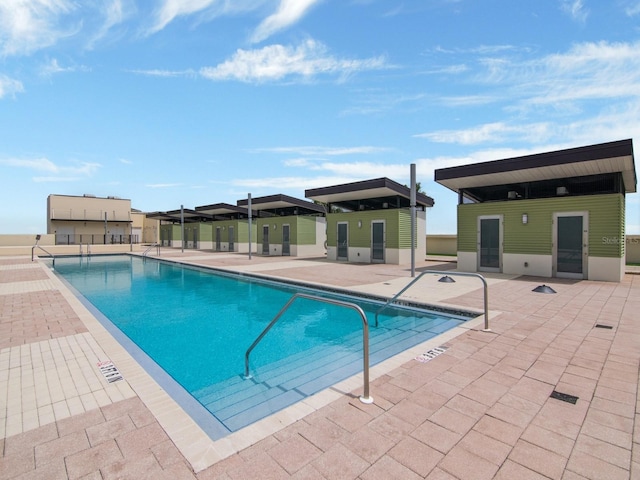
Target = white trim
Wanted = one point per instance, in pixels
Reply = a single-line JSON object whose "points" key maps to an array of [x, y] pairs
{"points": [[337, 240], [585, 245], [384, 241], [500, 219]]}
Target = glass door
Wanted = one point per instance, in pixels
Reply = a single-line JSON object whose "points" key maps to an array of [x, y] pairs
{"points": [[218, 248], [265, 239], [570, 245], [343, 241], [232, 239], [377, 242], [489, 248], [286, 243]]}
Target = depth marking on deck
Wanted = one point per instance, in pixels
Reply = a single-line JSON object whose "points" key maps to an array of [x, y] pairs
{"points": [[431, 354], [109, 371]]}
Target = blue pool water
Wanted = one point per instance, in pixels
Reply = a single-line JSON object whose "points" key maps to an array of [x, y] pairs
{"points": [[196, 325]]}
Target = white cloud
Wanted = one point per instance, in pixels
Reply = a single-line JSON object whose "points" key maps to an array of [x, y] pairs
{"points": [[38, 164], [575, 9], [490, 132], [276, 62], [9, 86], [27, 26], [289, 12], [319, 151], [55, 179], [52, 67], [587, 71], [166, 73], [163, 185], [171, 9], [633, 8], [114, 13], [58, 173], [204, 10]]}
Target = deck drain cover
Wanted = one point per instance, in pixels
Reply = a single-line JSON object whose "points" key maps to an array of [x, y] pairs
{"points": [[565, 397], [109, 371], [431, 354], [599, 325]]}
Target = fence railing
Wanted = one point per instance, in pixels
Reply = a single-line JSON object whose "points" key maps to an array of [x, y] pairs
{"points": [[95, 239]]}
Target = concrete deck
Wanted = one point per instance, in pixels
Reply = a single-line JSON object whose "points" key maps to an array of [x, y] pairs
{"points": [[483, 409]]}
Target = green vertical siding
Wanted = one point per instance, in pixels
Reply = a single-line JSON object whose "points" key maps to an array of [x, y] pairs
{"points": [[397, 227], [606, 221], [302, 229], [305, 231]]}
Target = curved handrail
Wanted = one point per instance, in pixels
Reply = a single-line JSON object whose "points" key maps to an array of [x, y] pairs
{"points": [[439, 272], [48, 253], [157, 245], [365, 398]]}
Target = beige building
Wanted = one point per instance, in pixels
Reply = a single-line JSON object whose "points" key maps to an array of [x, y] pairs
{"points": [[88, 219]]}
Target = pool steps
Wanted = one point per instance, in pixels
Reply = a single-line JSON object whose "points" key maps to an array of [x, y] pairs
{"points": [[238, 402]]}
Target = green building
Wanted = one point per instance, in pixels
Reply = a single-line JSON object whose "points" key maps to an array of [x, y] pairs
{"points": [[228, 230], [554, 214], [288, 226], [370, 221]]}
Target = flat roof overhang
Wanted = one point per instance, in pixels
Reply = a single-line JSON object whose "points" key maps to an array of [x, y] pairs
{"points": [[218, 210], [281, 201], [190, 216], [375, 189], [604, 158]]}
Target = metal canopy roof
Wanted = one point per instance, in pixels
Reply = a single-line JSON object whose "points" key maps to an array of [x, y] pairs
{"points": [[374, 190], [601, 159], [223, 210], [282, 202], [176, 216]]}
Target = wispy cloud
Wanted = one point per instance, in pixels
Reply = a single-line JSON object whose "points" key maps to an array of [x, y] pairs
{"points": [[52, 67], [171, 9], [198, 10], [9, 86], [575, 9], [632, 8], [77, 171], [289, 12], [166, 73], [163, 185], [489, 132], [114, 12], [617, 122], [324, 151], [276, 62], [26, 26]]}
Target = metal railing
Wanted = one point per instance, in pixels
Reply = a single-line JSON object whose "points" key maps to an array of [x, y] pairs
{"points": [[365, 398], [156, 246], [48, 253], [439, 272]]}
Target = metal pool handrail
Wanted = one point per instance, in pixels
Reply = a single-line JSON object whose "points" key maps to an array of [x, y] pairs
{"points": [[157, 245], [462, 274], [365, 398], [48, 253]]}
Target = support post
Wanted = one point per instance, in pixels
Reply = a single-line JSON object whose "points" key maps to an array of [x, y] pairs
{"points": [[249, 207], [182, 226], [413, 219]]}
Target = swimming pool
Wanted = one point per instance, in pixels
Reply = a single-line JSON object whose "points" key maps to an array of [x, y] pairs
{"points": [[192, 326]]}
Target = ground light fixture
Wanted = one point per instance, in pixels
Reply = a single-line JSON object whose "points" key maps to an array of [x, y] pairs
{"points": [[447, 279], [543, 289]]}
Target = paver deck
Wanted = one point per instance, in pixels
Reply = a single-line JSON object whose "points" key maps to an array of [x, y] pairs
{"points": [[482, 409]]}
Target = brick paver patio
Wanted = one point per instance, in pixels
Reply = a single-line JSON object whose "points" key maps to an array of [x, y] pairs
{"points": [[481, 410]]}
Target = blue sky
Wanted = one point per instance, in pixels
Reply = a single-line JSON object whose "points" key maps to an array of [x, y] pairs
{"points": [[193, 102]]}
